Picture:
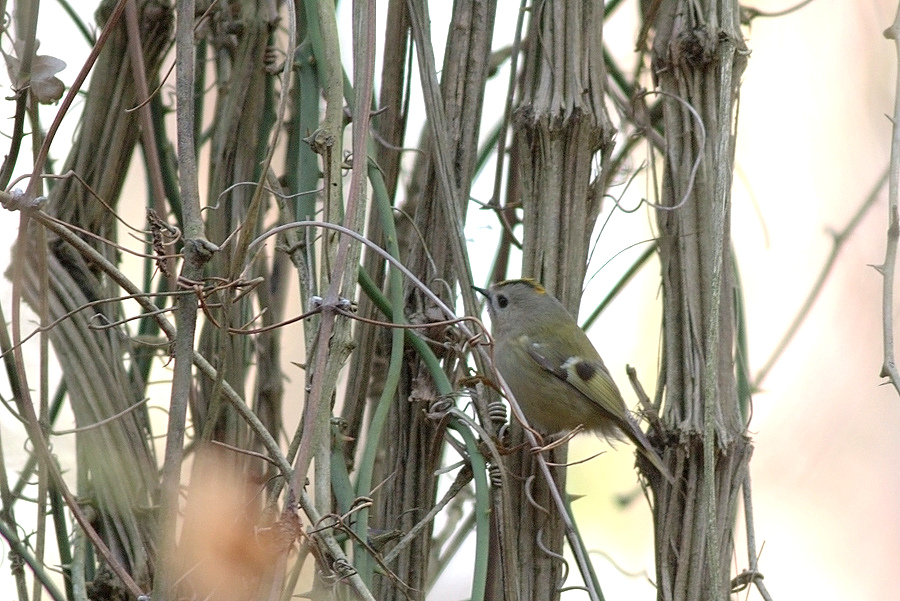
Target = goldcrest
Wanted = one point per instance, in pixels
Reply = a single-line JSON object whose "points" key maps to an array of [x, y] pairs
{"points": [[553, 370]]}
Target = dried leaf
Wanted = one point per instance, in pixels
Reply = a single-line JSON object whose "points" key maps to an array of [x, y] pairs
{"points": [[46, 87]]}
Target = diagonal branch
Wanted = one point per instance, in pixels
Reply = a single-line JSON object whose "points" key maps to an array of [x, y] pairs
{"points": [[889, 367], [838, 240]]}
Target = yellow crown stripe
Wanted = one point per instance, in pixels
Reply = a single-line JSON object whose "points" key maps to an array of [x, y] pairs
{"points": [[528, 281]]}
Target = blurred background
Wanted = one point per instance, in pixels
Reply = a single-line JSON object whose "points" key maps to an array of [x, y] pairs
{"points": [[813, 141]]}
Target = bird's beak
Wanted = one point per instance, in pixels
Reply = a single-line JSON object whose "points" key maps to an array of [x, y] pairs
{"points": [[482, 291]]}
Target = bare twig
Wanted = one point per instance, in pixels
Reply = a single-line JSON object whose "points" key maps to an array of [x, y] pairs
{"points": [[838, 239], [197, 252], [889, 367], [752, 572], [326, 141], [748, 13], [142, 90], [463, 477], [102, 422], [648, 409]]}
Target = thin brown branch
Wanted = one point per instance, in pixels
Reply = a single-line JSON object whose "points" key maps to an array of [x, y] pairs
{"points": [[838, 241], [463, 477], [142, 90], [102, 422], [754, 575], [326, 141], [197, 252], [41, 159], [889, 367], [748, 13]]}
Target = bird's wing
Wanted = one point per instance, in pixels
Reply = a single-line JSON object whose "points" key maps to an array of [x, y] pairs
{"points": [[588, 376], [591, 378]]}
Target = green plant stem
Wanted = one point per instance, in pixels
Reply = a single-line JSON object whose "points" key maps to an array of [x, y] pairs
{"points": [[36, 566], [382, 408], [316, 426], [482, 511], [620, 285], [58, 510]]}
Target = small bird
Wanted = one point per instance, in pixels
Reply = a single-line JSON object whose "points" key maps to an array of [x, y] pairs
{"points": [[552, 368]]}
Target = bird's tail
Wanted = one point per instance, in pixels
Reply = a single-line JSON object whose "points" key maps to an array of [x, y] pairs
{"points": [[646, 449], [654, 458]]}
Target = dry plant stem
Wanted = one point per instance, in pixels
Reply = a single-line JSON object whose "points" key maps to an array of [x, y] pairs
{"points": [[148, 136], [206, 369], [44, 386], [562, 130], [35, 434], [437, 121], [363, 83], [393, 103], [721, 192], [698, 55], [143, 94], [838, 240], [29, 21], [240, 255], [237, 138], [432, 239], [507, 109], [888, 268], [70, 97], [26, 24], [333, 340], [437, 199], [389, 127], [752, 558], [317, 409], [197, 251]]}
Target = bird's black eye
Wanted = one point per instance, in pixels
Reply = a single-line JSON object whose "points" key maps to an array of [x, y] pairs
{"points": [[502, 301]]}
